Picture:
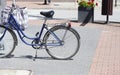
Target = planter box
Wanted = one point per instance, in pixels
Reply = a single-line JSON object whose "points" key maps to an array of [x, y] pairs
{"points": [[85, 14]]}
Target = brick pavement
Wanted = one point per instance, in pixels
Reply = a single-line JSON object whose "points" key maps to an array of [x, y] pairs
{"points": [[106, 60]]}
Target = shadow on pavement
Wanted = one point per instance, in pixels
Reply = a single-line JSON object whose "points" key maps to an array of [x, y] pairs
{"points": [[32, 57]]}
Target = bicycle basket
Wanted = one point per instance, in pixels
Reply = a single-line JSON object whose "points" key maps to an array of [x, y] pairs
{"points": [[20, 15], [5, 15]]}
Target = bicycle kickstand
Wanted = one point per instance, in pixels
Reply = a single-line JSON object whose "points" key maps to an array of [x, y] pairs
{"points": [[35, 55]]}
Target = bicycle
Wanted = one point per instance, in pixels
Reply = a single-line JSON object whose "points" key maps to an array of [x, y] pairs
{"points": [[62, 36]]}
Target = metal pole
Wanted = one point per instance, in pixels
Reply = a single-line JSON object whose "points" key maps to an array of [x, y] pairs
{"points": [[0, 2], [115, 3], [45, 1], [107, 16], [13, 2], [107, 19]]}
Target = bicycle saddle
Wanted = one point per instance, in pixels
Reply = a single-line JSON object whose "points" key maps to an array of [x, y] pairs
{"points": [[48, 14]]}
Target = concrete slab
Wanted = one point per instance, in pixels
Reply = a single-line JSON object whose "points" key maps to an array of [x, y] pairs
{"points": [[15, 72], [45, 65]]}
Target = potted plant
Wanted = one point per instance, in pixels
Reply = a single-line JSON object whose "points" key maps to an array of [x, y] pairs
{"points": [[86, 10]]}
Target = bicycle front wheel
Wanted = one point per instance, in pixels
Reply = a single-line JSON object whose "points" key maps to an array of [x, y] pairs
{"points": [[70, 42], [7, 41]]}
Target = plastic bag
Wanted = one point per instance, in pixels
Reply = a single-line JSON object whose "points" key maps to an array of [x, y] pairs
{"points": [[20, 15]]}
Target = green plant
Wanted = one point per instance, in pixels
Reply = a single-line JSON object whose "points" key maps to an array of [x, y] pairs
{"points": [[89, 3]]}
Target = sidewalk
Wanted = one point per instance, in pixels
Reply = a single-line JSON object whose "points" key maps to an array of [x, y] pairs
{"points": [[106, 60], [40, 5]]}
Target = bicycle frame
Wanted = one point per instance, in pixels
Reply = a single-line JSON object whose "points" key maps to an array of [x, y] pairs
{"points": [[13, 23]]}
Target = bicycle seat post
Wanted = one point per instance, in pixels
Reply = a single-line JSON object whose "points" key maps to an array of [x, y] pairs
{"points": [[48, 14], [45, 20]]}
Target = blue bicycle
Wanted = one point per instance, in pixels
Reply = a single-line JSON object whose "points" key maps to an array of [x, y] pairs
{"points": [[60, 42]]}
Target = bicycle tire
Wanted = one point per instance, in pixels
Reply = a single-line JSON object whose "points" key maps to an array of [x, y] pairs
{"points": [[58, 53], [8, 41]]}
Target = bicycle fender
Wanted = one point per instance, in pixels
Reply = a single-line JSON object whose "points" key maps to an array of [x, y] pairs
{"points": [[68, 26], [15, 37]]}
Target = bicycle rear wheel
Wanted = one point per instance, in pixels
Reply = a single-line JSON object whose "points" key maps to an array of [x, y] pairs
{"points": [[70, 40], [7, 41]]}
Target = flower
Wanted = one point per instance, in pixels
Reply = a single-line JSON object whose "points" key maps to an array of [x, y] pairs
{"points": [[89, 3]]}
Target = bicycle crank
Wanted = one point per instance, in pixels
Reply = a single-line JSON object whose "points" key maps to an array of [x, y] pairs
{"points": [[36, 44]]}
